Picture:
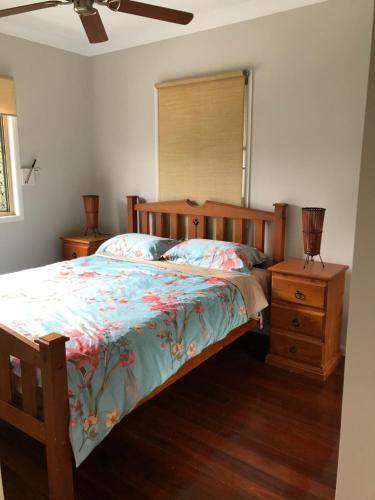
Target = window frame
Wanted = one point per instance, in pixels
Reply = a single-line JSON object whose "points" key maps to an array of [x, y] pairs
{"points": [[12, 170], [8, 181]]}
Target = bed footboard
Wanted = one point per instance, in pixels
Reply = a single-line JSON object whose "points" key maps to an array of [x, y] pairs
{"points": [[50, 423]]}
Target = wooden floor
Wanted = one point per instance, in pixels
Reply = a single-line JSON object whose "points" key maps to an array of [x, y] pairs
{"points": [[234, 428]]}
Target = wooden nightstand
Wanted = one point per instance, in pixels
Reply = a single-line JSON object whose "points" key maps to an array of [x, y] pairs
{"points": [[306, 313], [82, 246]]}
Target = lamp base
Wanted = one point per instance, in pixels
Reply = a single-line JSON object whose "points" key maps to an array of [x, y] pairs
{"points": [[95, 231], [310, 258]]}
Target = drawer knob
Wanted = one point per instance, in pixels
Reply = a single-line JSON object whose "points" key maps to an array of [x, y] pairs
{"points": [[299, 295], [293, 349], [296, 323], [74, 255]]}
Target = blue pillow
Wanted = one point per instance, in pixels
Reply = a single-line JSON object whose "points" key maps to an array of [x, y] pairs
{"points": [[143, 246], [214, 254]]}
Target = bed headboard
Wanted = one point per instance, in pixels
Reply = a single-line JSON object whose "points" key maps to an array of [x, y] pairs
{"points": [[165, 216]]}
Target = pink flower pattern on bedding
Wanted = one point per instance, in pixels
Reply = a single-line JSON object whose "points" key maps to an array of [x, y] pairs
{"points": [[214, 254], [131, 326]]}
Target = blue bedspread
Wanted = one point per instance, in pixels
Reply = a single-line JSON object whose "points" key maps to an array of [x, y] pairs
{"points": [[131, 326]]}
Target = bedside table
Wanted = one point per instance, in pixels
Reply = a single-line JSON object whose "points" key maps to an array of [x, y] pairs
{"points": [[82, 246], [306, 313]]}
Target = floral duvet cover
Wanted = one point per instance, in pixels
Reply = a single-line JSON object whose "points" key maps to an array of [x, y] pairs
{"points": [[131, 326]]}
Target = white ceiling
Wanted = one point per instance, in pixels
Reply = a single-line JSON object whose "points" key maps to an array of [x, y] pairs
{"points": [[61, 27]]}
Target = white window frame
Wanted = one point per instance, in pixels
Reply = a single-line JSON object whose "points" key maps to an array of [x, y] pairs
{"points": [[14, 171]]}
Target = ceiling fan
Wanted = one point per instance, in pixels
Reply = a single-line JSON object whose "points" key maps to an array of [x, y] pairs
{"points": [[90, 16]]}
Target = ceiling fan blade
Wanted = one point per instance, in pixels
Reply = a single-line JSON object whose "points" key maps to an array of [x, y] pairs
{"points": [[153, 11], [94, 28], [29, 8]]}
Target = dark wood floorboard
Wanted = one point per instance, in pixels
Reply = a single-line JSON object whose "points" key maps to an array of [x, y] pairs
{"points": [[234, 428]]}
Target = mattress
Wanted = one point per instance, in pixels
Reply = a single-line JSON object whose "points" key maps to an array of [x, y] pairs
{"points": [[131, 324]]}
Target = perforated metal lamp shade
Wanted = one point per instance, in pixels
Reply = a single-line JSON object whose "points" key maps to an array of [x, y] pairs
{"points": [[7, 97]]}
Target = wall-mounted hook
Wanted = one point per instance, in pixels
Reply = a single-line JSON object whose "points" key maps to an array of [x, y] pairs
{"points": [[32, 169]]}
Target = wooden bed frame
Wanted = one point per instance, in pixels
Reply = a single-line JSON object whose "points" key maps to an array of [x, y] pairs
{"points": [[49, 423]]}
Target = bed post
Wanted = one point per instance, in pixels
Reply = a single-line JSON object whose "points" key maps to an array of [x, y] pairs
{"points": [[279, 232], [132, 214], [56, 416]]}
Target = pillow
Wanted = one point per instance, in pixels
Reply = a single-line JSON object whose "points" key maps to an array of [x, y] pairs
{"points": [[144, 246], [216, 254]]}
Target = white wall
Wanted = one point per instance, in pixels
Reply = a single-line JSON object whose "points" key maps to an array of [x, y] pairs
{"points": [[311, 68], [54, 120], [357, 445]]}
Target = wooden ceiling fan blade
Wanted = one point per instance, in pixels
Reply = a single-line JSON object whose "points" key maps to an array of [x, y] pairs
{"points": [[152, 11], [94, 27], [29, 8]]}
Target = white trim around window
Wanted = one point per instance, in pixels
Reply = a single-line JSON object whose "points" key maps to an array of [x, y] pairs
{"points": [[13, 158]]}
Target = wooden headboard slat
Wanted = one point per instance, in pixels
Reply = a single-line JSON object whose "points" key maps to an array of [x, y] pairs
{"points": [[239, 230], [145, 222], [258, 239], [196, 226], [220, 228], [173, 226], [167, 214], [159, 224]]}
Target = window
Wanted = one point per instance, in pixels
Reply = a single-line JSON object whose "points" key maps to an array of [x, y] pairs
{"points": [[6, 189], [10, 180]]}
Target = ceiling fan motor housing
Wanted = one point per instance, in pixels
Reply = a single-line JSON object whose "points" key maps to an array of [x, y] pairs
{"points": [[84, 7]]}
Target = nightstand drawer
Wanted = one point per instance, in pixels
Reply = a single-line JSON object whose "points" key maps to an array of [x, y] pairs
{"points": [[293, 347], [298, 319], [74, 251], [298, 291], [82, 246]]}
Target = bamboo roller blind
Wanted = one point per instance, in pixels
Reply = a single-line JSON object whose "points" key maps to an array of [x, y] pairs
{"points": [[200, 138]]}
